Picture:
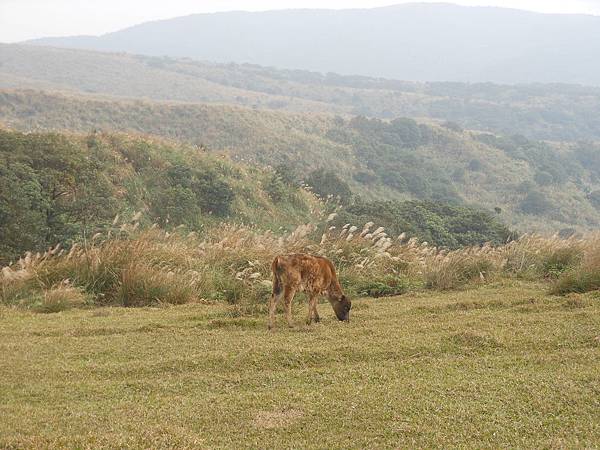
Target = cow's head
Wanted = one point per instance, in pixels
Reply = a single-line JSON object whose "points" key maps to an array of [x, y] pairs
{"points": [[342, 308]]}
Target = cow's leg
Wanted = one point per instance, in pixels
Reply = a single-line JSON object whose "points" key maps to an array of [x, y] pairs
{"points": [[289, 296], [275, 298], [311, 300], [312, 309], [316, 317]]}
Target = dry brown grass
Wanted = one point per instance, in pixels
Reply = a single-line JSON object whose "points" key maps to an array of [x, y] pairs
{"points": [[60, 298], [583, 277], [232, 263], [277, 419]]}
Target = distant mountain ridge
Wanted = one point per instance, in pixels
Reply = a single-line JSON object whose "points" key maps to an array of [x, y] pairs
{"points": [[423, 42], [557, 112]]}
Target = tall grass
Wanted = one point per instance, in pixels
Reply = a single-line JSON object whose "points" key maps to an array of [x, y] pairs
{"points": [[585, 276], [231, 263]]}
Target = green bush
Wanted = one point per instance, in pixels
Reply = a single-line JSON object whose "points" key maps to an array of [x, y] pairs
{"points": [[386, 286], [438, 223], [326, 183], [594, 198], [543, 178], [475, 165], [535, 203], [276, 188]]}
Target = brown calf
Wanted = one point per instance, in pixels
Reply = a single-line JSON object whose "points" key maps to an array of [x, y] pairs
{"points": [[314, 275]]}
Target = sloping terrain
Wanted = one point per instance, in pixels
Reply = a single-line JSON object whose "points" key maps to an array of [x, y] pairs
{"points": [[548, 112], [64, 188], [534, 185]]}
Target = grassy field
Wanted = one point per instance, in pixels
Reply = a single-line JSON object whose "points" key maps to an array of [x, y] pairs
{"points": [[505, 365]]}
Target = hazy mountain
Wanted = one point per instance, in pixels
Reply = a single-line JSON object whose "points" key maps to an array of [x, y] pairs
{"points": [[411, 42], [538, 111]]}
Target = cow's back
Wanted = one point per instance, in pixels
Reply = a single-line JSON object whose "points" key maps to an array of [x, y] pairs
{"points": [[305, 272]]}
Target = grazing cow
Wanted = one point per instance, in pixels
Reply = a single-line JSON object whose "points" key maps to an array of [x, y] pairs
{"points": [[314, 275]]}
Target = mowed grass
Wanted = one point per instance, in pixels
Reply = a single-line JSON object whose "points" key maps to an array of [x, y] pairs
{"points": [[505, 365]]}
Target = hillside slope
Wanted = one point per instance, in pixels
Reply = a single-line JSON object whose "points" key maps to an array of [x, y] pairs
{"points": [[409, 41], [549, 112], [61, 188], [535, 185]]}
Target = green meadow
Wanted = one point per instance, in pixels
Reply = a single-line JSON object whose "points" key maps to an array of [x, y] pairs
{"points": [[505, 365]]}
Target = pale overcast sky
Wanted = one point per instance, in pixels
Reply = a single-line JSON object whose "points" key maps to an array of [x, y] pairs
{"points": [[27, 19]]}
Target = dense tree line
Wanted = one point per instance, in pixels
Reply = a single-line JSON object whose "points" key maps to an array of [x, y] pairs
{"points": [[439, 224]]}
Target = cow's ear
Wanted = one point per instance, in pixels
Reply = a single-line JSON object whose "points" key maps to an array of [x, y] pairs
{"points": [[343, 298]]}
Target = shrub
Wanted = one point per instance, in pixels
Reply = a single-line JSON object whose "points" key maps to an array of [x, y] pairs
{"points": [[385, 286], [214, 194], [535, 203], [440, 224], [56, 188], [566, 233], [326, 183], [475, 165], [393, 179], [276, 188], [452, 126], [525, 187], [594, 198], [365, 177], [543, 178]]}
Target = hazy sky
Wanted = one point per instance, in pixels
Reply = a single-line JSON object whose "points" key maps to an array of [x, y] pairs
{"points": [[26, 19]]}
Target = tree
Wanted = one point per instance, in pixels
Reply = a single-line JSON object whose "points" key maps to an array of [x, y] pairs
{"points": [[452, 126], [535, 203], [438, 223], [594, 198], [326, 183], [276, 188], [543, 178], [475, 165], [214, 194], [22, 211]]}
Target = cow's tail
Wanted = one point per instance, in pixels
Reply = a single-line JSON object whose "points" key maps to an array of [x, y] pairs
{"points": [[277, 281]]}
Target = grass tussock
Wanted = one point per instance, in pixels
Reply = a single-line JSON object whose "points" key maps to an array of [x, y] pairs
{"points": [[60, 298], [449, 271], [585, 276], [231, 264]]}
